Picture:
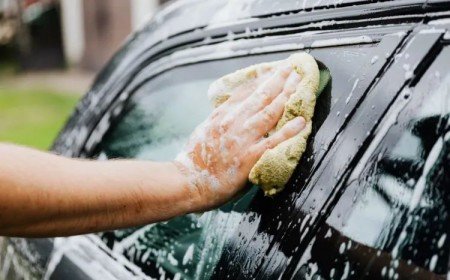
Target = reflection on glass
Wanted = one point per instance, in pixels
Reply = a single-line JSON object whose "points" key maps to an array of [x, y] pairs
{"points": [[397, 200]]}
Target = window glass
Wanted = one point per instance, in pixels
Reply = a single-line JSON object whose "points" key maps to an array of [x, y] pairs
{"points": [[154, 125], [392, 219]]}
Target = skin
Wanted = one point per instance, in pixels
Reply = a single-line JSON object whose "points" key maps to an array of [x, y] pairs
{"points": [[46, 195]]}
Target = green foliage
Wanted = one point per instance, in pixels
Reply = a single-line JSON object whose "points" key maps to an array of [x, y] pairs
{"points": [[33, 117]]}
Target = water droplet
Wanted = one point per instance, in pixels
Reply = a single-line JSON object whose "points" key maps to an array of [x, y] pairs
{"points": [[433, 262], [342, 248], [374, 59]]}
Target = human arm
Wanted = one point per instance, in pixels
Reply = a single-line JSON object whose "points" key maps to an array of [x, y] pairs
{"points": [[44, 194]]}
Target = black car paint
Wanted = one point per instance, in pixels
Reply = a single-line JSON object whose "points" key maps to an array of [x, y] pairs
{"points": [[140, 51]]}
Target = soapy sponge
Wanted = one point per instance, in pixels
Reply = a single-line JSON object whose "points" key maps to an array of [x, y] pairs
{"points": [[273, 170]]}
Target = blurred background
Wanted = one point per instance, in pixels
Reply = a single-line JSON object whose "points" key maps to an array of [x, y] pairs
{"points": [[50, 51]]}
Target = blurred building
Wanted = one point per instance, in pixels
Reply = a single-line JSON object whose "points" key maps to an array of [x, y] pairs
{"points": [[31, 29], [93, 30], [49, 34]]}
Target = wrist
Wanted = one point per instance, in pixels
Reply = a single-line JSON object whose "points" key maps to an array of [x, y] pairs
{"points": [[196, 201]]}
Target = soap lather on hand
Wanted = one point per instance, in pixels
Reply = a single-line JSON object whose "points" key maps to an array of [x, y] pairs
{"points": [[275, 167], [258, 130]]}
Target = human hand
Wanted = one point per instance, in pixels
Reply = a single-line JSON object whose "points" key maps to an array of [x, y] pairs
{"points": [[223, 149]]}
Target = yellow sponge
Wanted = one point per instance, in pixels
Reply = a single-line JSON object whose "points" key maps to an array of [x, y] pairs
{"points": [[273, 170]]}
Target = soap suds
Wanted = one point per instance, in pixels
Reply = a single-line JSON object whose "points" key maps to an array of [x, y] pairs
{"points": [[196, 176], [189, 255], [342, 41], [351, 92]]}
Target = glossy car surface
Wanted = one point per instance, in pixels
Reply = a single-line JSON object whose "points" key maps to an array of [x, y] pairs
{"points": [[370, 198]]}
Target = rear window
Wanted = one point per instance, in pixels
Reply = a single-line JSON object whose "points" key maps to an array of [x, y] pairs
{"points": [[158, 119], [392, 220]]}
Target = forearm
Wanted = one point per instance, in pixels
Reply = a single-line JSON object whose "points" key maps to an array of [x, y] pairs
{"points": [[47, 195]]}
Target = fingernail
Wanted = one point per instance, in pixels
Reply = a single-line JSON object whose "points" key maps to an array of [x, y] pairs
{"points": [[298, 123], [285, 69], [294, 78]]}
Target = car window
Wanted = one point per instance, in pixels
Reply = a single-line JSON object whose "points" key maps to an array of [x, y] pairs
{"points": [[392, 219], [155, 124]]}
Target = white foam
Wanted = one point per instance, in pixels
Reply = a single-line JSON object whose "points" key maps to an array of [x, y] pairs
{"points": [[374, 59], [442, 21], [351, 92], [277, 48], [442, 240], [172, 260], [189, 255], [433, 262], [342, 41], [421, 183]]}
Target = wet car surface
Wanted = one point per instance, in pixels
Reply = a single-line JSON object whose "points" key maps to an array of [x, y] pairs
{"points": [[370, 198]]}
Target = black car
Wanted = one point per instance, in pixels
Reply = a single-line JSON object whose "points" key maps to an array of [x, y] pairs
{"points": [[370, 199]]}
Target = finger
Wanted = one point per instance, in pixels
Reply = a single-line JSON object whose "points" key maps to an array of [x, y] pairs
{"points": [[266, 92], [290, 129], [242, 92], [245, 90], [266, 119]]}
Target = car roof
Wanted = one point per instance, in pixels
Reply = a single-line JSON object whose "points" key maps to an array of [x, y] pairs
{"points": [[172, 18]]}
